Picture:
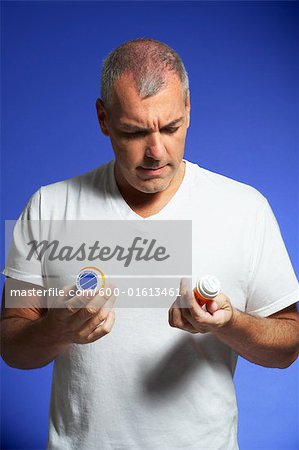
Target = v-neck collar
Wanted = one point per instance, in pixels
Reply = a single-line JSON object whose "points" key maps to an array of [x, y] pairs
{"points": [[121, 207]]}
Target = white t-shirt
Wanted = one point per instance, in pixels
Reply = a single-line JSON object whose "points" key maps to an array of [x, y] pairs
{"points": [[147, 385]]}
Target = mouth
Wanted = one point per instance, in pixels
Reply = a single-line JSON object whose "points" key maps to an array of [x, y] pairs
{"points": [[152, 171]]}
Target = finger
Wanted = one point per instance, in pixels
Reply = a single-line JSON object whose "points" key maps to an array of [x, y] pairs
{"points": [[104, 299], [186, 299], [88, 297], [61, 300], [102, 329], [176, 320], [93, 309], [196, 323], [98, 305], [75, 303], [186, 293], [183, 292], [175, 313], [67, 304], [194, 314], [189, 324], [176, 303], [221, 300], [179, 311], [93, 322], [212, 306]]}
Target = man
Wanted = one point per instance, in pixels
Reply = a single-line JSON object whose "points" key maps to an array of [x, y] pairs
{"points": [[149, 385]]}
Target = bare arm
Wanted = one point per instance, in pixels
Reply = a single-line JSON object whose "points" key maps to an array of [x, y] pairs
{"points": [[33, 337], [25, 343], [271, 341]]}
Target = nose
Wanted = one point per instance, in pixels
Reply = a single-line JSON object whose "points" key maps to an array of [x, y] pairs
{"points": [[154, 146]]}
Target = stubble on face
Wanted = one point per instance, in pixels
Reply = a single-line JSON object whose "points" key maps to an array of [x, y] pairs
{"points": [[148, 134]]}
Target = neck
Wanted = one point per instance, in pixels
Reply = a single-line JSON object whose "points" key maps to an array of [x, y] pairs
{"points": [[147, 204]]}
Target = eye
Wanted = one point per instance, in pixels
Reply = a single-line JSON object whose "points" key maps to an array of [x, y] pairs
{"points": [[170, 130], [136, 135]]}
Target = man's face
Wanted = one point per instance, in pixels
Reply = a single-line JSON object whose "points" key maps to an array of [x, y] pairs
{"points": [[147, 135]]}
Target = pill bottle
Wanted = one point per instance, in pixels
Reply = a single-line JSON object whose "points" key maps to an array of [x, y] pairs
{"points": [[207, 288], [90, 278]]}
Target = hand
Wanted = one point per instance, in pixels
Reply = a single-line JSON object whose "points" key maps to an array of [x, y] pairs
{"points": [[186, 314], [83, 320]]}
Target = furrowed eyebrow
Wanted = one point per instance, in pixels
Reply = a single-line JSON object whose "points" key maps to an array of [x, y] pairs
{"points": [[174, 122], [134, 128]]}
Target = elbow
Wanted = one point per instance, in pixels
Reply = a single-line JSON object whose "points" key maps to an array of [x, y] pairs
{"points": [[7, 356], [8, 361], [14, 363], [20, 366], [283, 360], [287, 362]]}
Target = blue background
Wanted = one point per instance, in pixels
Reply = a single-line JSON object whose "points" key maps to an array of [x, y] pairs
{"points": [[242, 59]]}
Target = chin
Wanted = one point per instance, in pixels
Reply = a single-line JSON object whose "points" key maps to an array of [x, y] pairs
{"points": [[152, 186]]}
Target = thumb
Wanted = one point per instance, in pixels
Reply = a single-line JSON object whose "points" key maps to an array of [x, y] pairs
{"points": [[212, 306]]}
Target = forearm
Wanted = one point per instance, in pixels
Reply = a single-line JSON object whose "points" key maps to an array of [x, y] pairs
{"points": [[268, 342], [25, 344]]}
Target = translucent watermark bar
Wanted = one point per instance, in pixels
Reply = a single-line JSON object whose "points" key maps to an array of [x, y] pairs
{"points": [[140, 263]]}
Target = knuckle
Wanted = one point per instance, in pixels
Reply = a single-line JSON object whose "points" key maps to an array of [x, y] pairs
{"points": [[197, 318], [97, 301], [80, 335], [170, 320], [91, 338], [176, 323], [110, 314], [105, 329], [90, 310], [100, 319]]}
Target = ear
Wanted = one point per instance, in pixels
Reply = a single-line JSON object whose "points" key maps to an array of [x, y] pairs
{"points": [[102, 117], [188, 107]]}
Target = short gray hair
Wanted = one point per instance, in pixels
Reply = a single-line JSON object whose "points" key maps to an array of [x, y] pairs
{"points": [[149, 61]]}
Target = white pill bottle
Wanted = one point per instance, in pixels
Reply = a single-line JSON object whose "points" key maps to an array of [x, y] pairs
{"points": [[206, 289]]}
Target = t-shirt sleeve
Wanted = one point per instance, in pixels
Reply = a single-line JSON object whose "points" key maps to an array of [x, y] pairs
{"points": [[26, 229], [272, 282]]}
